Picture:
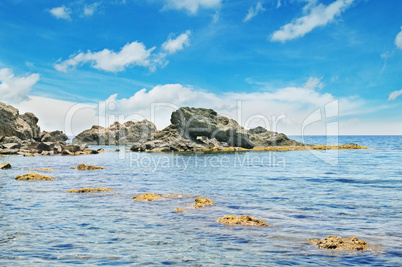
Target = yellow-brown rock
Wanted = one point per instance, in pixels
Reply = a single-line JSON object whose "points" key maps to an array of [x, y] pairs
{"points": [[83, 167], [147, 197], [242, 220], [90, 190], [34, 176], [336, 242], [202, 202]]}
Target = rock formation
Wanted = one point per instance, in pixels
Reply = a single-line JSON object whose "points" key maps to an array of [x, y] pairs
{"points": [[13, 124], [5, 166], [90, 190], [199, 129], [117, 134], [83, 167], [147, 197], [202, 202]]}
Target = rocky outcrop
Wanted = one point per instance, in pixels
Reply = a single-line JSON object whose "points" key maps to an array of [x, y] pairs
{"points": [[336, 242], [199, 129], [13, 124], [5, 166], [117, 134], [242, 220], [34, 176]]}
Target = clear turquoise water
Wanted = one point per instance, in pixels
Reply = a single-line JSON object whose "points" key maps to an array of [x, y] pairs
{"points": [[297, 193]]}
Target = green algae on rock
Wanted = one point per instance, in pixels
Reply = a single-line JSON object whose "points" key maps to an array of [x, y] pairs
{"points": [[83, 167], [336, 242], [90, 190], [242, 220], [147, 197], [34, 176], [202, 202]]}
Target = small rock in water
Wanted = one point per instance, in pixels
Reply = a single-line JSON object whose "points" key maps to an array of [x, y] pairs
{"points": [[336, 242], [88, 190], [83, 167], [179, 210], [147, 197], [34, 176], [202, 202], [5, 165], [242, 220]]}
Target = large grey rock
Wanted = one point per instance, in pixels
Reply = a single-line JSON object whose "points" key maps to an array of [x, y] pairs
{"points": [[117, 134], [55, 136], [13, 124], [194, 122]]}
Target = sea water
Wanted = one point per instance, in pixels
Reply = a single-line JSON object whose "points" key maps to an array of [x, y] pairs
{"points": [[300, 194]]}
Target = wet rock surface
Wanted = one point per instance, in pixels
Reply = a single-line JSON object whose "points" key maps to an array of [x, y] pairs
{"points": [[84, 167], [202, 202], [242, 220], [5, 166], [336, 242], [179, 210], [90, 190], [34, 176]]}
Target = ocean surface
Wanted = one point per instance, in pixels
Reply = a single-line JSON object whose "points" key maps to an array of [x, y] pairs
{"points": [[300, 194]]}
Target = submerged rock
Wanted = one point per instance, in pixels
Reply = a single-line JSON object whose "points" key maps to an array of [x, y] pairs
{"points": [[83, 167], [336, 242], [90, 190], [34, 176], [242, 220], [179, 210], [5, 165], [147, 197], [202, 202]]}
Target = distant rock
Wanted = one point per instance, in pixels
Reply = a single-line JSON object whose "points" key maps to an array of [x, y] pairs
{"points": [[242, 220], [5, 166], [91, 190], [13, 124], [117, 134], [339, 243], [179, 210], [83, 167]]}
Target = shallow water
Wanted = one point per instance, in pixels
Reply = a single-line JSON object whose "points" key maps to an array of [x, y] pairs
{"points": [[301, 195]]}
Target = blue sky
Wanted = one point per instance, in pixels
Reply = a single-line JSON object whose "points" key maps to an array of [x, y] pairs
{"points": [[284, 58]]}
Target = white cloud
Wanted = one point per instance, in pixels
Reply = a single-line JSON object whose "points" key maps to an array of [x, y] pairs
{"points": [[174, 45], [394, 95], [89, 10], [15, 89], [61, 12], [130, 55], [398, 40], [254, 11], [319, 15], [191, 6], [278, 4]]}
